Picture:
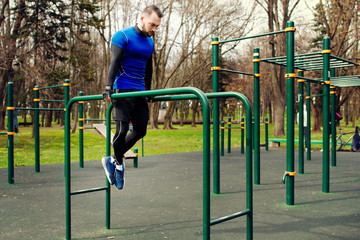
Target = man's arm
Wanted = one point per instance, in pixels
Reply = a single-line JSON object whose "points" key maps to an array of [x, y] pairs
{"points": [[148, 74], [117, 54]]}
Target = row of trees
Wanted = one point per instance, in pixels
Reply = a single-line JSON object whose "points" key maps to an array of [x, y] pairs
{"points": [[44, 42]]}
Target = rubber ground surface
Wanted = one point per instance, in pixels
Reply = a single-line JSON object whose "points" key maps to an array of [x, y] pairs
{"points": [[162, 199]]}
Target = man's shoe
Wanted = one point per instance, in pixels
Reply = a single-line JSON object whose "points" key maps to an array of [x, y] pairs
{"points": [[120, 177], [109, 167]]}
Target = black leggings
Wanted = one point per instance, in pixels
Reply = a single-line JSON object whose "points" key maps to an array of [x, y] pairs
{"points": [[123, 141]]}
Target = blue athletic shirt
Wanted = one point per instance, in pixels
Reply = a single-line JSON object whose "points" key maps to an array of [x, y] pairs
{"points": [[138, 49]]}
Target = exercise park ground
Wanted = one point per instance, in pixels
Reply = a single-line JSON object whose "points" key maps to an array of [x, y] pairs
{"points": [[163, 200]]}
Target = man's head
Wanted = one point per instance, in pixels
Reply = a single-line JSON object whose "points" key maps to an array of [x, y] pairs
{"points": [[150, 20]]}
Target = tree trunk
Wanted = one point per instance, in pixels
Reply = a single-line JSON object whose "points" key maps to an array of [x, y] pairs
{"points": [[168, 115], [279, 112], [154, 115]]}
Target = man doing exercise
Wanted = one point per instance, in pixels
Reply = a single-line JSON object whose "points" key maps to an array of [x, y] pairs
{"points": [[130, 70]]}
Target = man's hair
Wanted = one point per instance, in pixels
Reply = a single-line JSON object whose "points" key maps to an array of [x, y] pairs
{"points": [[153, 8]]}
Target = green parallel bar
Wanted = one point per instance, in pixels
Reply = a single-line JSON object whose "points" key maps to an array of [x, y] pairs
{"points": [[81, 132], [45, 100], [10, 126], [308, 116], [215, 84], [242, 135], [237, 72], [301, 123], [266, 134], [89, 190], [229, 135], [222, 138], [255, 36], [55, 86], [36, 129], [256, 137], [290, 182], [326, 105], [3, 133], [95, 119], [40, 109], [135, 164], [229, 217], [333, 126], [249, 164], [206, 148]]}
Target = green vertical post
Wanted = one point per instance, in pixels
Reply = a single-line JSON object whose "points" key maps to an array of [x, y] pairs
{"points": [[222, 138], [10, 133], [333, 121], [81, 132], [229, 135], [308, 120], [136, 158], [290, 76], [256, 130], [215, 77], [142, 147], [326, 104], [252, 133], [266, 134], [242, 135], [66, 86], [301, 121], [108, 153], [36, 129]]}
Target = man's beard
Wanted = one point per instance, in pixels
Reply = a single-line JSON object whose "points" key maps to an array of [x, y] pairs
{"points": [[145, 32]]}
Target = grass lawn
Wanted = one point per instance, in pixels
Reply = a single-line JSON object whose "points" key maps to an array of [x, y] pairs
{"points": [[157, 141]]}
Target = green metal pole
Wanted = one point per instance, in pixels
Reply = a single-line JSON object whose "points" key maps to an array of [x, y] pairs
{"points": [[229, 135], [136, 158], [333, 121], [108, 153], [301, 121], [36, 129], [142, 147], [256, 130], [308, 116], [81, 132], [222, 138], [66, 85], [215, 77], [326, 104], [266, 134], [10, 133], [290, 76], [242, 134], [253, 136]]}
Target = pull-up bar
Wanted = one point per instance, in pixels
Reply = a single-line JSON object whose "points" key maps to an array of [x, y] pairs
{"points": [[255, 36]]}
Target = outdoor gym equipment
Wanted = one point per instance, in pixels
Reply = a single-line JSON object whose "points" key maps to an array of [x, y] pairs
{"points": [[36, 109], [195, 93], [256, 75]]}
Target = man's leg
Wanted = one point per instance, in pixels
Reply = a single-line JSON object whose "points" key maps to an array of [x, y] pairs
{"points": [[119, 141]]}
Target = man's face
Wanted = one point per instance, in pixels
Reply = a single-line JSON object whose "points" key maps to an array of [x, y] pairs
{"points": [[149, 23]]}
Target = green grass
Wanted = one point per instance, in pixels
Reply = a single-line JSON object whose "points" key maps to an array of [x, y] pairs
{"points": [[157, 141]]}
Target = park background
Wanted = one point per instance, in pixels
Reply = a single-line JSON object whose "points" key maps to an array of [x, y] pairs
{"points": [[45, 42]]}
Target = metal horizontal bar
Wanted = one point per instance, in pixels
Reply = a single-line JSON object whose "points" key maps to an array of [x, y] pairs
{"points": [[43, 109], [229, 217], [232, 71], [55, 86], [310, 79], [88, 190], [45, 100], [3, 133], [249, 37]]}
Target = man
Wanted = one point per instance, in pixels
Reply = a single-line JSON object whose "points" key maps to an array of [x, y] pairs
{"points": [[130, 70]]}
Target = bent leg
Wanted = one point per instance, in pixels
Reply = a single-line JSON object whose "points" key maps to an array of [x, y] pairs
{"points": [[119, 141]]}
